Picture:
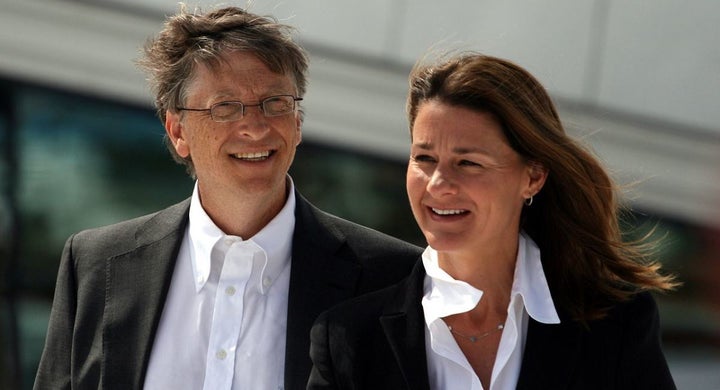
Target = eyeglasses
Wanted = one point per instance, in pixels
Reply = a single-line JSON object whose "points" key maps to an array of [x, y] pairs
{"points": [[234, 111]]}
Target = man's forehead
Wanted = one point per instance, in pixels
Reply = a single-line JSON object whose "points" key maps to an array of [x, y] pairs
{"points": [[241, 73]]}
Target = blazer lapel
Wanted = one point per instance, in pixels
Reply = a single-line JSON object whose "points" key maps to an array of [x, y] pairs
{"points": [[551, 355], [318, 280], [549, 360], [137, 283], [404, 327]]}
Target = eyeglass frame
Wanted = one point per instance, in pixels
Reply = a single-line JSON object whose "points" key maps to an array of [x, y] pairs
{"points": [[243, 106]]}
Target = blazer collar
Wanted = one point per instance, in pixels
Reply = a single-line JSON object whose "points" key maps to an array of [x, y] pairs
{"points": [[137, 283], [404, 326]]}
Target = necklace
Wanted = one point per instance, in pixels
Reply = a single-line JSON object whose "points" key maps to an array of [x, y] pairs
{"points": [[474, 339]]}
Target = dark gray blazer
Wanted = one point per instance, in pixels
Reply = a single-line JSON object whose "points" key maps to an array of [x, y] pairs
{"points": [[113, 281], [377, 341]]}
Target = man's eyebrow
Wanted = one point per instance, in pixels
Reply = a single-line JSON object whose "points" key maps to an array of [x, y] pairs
{"points": [[271, 90]]}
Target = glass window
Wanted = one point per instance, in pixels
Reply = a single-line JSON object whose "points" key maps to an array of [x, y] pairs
{"points": [[80, 163]]}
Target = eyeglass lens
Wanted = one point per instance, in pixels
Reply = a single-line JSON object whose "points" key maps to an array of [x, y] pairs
{"points": [[272, 106]]}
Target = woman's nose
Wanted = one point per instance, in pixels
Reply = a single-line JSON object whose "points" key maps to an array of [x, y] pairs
{"points": [[441, 183]]}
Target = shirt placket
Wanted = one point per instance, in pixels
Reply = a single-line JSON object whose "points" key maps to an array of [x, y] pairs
{"points": [[228, 316]]}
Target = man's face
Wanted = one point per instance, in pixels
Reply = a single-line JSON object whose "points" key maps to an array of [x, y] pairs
{"points": [[248, 157]]}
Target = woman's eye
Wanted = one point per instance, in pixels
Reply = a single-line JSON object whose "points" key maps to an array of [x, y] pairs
{"points": [[422, 158], [469, 163]]}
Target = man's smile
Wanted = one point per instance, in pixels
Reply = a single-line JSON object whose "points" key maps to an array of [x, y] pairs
{"points": [[255, 156]]}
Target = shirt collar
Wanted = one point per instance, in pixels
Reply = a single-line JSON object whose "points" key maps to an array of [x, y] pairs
{"points": [[530, 282], [445, 295], [275, 239]]}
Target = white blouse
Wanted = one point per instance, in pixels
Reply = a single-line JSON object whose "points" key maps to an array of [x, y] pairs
{"points": [[530, 296]]}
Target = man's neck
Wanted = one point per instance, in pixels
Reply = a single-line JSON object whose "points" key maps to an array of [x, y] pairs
{"points": [[243, 215]]}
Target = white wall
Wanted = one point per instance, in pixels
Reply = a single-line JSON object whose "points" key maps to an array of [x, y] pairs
{"points": [[639, 79]]}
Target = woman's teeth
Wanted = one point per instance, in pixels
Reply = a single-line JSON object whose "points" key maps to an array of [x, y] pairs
{"points": [[448, 212]]}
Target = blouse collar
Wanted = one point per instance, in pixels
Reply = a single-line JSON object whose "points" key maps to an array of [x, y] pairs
{"points": [[445, 296]]}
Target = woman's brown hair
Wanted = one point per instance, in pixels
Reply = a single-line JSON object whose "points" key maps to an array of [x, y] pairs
{"points": [[574, 219]]}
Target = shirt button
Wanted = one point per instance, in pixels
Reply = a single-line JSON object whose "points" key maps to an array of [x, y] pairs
{"points": [[221, 354], [267, 282], [230, 291]]}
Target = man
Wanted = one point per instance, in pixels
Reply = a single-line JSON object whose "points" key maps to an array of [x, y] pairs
{"points": [[219, 291]]}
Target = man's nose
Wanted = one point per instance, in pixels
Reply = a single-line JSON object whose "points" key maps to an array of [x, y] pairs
{"points": [[254, 123]]}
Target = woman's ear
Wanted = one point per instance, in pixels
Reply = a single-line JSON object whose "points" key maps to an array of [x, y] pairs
{"points": [[537, 174], [176, 132]]}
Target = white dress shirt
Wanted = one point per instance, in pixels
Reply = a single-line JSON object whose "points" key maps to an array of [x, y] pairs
{"points": [[448, 368], [225, 318]]}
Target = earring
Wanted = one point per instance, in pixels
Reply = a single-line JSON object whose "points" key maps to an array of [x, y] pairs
{"points": [[528, 202]]}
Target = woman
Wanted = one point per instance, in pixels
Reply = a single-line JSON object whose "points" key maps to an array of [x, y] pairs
{"points": [[526, 282]]}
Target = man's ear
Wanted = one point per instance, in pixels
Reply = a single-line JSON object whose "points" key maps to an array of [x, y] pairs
{"points": [[298, 123], [176, 132]]}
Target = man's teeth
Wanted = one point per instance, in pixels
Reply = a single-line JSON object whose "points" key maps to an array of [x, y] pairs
{"points": [[447, 212], [252, 156]]}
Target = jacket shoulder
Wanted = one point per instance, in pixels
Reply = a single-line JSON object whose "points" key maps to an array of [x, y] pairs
{"points": [[339, 229], [371, 240], [121, 237], [627, 342], [403, 297]]}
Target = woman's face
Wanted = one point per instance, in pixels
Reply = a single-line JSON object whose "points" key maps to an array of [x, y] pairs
{"points": [[465, 183]]}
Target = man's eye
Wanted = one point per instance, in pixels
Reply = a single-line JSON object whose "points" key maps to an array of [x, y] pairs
{"points": [[222, 110], [278, 104], [469, 163]]}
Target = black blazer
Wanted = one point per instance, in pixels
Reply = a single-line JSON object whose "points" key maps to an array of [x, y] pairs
{"points": [[113, 281], [377, 341]]}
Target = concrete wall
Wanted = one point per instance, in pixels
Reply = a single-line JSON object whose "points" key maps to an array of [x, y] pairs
{"points": [[638, 79]]}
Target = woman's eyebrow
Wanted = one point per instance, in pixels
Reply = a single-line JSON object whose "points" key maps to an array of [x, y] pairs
{"points": [[469, 150]]}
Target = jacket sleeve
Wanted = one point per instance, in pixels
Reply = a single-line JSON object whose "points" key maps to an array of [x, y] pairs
{"points": [[54, 369], [642, 363], [321, 376]]}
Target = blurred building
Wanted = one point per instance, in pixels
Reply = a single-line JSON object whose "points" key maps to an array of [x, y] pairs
{"points": [[80, 146]]}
